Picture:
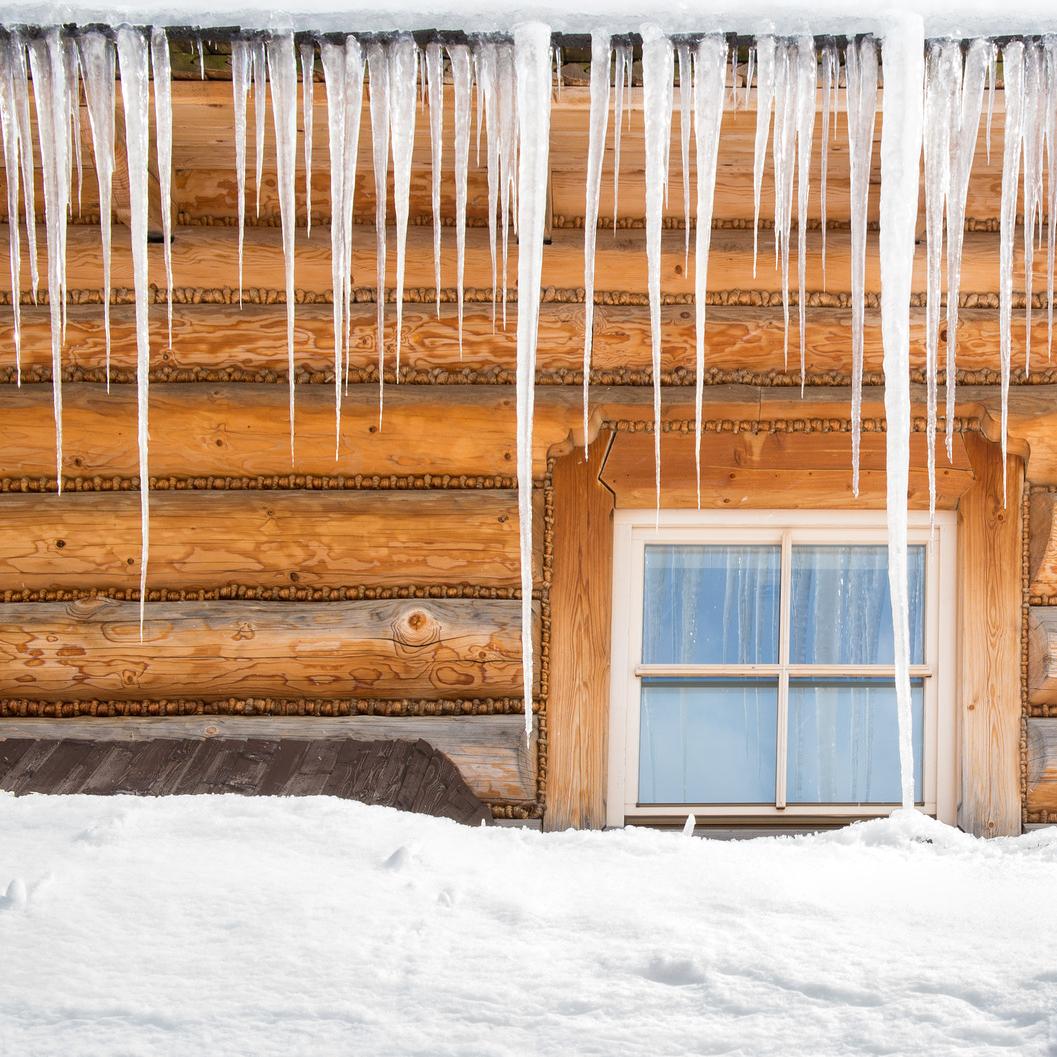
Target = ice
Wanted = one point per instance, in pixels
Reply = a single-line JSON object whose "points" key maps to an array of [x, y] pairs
{"points": [[240, 88], [1013, 75], [783, 158], [992, 78], [12, 162], [1050, 136], [621, 78], [682, 52], [709, 89], [378, 70], [159, 47], [861, 74], [942, 90], [970, 108], [354, 68], [532, 64], [806, 81], [403, 86], [98, 71], [73, 96], [462, 75], [765, 67], [259, 71], [200, 45], [25, 139], [1034, 100], [47, 61], [132, 53], [657, 111], [508, 153], [282, 71], [901, 131], [829, 86], [486, 56], [308, 91], [435, 91]]}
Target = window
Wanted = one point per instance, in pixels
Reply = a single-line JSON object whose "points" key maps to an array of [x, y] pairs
{"points": [[753, 666]]}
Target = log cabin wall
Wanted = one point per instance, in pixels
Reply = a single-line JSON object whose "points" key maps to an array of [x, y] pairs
{"points": [[379, 592]]}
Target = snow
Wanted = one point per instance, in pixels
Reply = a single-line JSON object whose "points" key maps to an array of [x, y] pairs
{"points": [[246, 926]]}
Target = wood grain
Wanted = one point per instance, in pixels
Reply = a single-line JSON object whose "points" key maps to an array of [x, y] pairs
{"points": [[1042, 655], [206, 540], [1042, 544], [989, 622], [1041, 790], [213, 650], [581, 602]]}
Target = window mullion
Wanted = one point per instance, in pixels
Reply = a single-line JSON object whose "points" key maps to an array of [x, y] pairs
{"points": [[784, 631]]}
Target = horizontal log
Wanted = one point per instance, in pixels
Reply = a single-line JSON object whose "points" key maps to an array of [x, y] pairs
{"points": [[270, 540], [243, 431], [1041, 786], [491, 752], [1042, 655], [1042, 544], [738, 339], [212, 650], [767, 470]]}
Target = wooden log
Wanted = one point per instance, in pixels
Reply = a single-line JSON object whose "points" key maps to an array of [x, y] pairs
{"points": [[786, 470], [281, 539], [739, 338], [989, 623], [491, 752], [1042, 655], [1042, 545], [213, 650], [242, 431], [581, 607], [1041, 786]]}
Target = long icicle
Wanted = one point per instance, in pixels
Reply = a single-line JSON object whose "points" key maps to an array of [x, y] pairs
{"points": [[435, 92], [308, 91], [259, 71], [1033, 159], [462, 75], [807, 79], [25, 141], [354, 67], [829, 84], [47, 59], [403, 87], [657, 108], [508, 133], [12, 163], [240, 88], [132, 54], [596, 145], [98, 68], [620, 67], [685, 107], [282, 70], [378, 70], [532, 63], [903, 59], [1050, 136], [159, 47], [486, 57], [710, 66], [765, 60]]}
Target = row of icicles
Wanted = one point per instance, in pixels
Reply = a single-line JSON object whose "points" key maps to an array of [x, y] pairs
{"points": [[513, 81]]}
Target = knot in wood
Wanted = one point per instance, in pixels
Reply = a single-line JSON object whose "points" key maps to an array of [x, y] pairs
{"points": [[416, 627]]}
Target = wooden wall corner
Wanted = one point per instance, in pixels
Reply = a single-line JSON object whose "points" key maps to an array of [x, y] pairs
{"points": [[580, 598], [990, 599]]}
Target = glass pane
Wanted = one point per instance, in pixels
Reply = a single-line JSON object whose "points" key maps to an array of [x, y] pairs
{"points": [[842, 611], [844, 741], [707, 742], [711, 605]]}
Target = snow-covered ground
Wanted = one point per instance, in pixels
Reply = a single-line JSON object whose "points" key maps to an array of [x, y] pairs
{"points": [[229, 925]]}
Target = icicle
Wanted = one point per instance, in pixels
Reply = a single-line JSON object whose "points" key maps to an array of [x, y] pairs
{"points": [[596, 146], [403, 85], [282, 72], [657, 110], [783, 154], [903, 58], [462, 75], [1050, 137], [508, 154], [354, 64], [378, 68], [135, 93], [25, 140], [992, 78], [807, 79], [240, 88], [9, 125], [163, 124], [259, 70], [943, 74], [73, 95], [1013, 77], [98, 71], [734, 78], [559, 70], [829, 84], [685, 104], [435, 78], [750, 69], [308, 91], [620, 67], [47, 59], [708, 117], [201, 56], [765, 62], [861, 76], [1033, 154], [531, 58], [970, 109], [486, 62]]}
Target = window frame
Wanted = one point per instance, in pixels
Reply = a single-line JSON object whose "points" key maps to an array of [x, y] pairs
{"points": [[635, 529]]}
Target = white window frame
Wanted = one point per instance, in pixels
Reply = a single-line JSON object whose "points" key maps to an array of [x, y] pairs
{"points": [[634, 529]]}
